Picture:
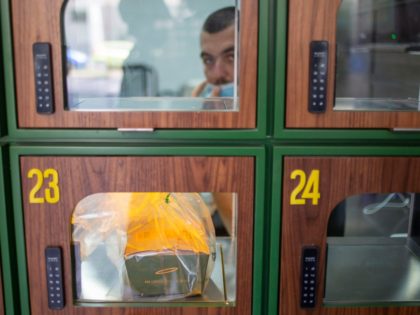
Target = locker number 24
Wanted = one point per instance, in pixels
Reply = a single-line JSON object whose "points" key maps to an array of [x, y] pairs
{"points": [[306, 188], [51, 194]]}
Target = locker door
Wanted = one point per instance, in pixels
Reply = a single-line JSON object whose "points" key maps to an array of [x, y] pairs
{"points": [[65, 182], [108, 74], [331, 264], [353, 64]]}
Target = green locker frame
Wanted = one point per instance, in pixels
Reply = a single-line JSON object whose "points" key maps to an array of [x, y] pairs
{"points": [[306, 224], [8, 282], [1, 295], [2, 211], [23, 157], [81, 132], [278, 86], [4, 236], [3, 116]]}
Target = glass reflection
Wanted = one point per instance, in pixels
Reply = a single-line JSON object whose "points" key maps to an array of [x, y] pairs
{"points": [[373, 250], [378, 55], [151, 55], [155, 247]]}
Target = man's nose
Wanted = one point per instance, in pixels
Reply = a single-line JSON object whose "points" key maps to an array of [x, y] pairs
{"points": [[220, 69]]}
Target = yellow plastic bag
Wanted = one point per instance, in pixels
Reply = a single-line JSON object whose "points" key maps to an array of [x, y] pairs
{"points": [[162, 221]]}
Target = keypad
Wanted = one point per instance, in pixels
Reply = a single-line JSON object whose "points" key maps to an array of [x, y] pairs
{"points": [[318, 76], [309, 270], [43, 78], [54, 278]]}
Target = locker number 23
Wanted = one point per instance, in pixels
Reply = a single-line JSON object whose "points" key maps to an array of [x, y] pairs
{"points": [[306, 188], [51, 194]]}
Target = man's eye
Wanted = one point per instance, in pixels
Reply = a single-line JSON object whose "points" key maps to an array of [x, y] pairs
{"points": [[229, 58], [208, 61]]}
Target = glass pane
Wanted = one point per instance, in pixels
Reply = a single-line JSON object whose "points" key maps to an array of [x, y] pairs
{"points": [[378, 55], [155, 247], [374, 250], [151, 55]]}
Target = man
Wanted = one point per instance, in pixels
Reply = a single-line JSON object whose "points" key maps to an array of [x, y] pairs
{"points": [[217, 41]]}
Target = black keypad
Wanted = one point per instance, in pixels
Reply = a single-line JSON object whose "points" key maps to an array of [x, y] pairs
{"points": [[318, 76], [43, 78], [309, 270], [54, 278]]}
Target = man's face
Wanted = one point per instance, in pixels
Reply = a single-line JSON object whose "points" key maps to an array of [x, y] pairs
{"points": [[218, 55]]}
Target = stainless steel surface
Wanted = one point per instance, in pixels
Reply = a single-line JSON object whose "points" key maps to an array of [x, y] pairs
{"points": [[366, 270], [374, 215], [413, 244], [101, 281], [376, 105], [136, 129], [378, 62], [413, 239], [156, 104]]}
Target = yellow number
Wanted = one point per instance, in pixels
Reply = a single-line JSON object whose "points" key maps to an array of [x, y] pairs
{"points": [[39, 180], [52, 193], [53, 186], [293, 200], [309, 189]]}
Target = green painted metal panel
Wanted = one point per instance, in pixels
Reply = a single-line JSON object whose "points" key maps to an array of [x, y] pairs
{"points": [[258, 133], [276, 181], [84, 150], [6, 238], [3, 116]]}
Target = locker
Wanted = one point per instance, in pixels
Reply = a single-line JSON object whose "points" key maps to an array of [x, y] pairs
{"points": [[352, 64], [349, 238], [122, 197], [74, 71]]}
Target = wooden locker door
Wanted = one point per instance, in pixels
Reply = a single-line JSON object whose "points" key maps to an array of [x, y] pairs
{"points": [[317, 20], [40, 21], [80, 176], [339, 178]]}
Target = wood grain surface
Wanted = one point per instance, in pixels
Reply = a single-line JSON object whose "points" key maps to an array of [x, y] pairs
{"points": [[340, 177], [49, 224], [39, 21], [316, 20]]}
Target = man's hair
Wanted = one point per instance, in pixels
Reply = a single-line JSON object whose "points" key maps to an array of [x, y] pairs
{"points": [[219, 20]]}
